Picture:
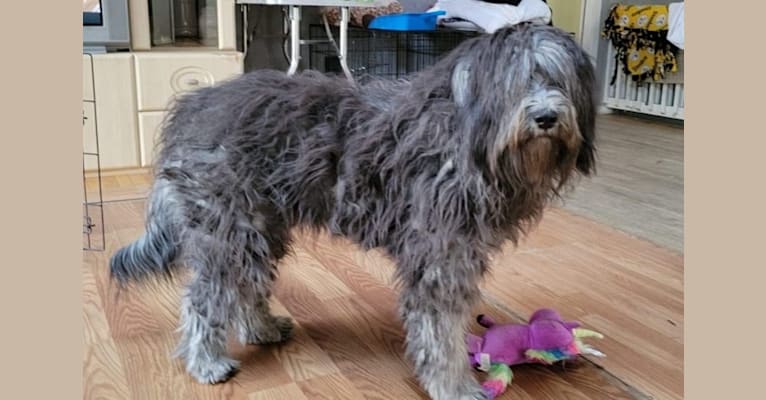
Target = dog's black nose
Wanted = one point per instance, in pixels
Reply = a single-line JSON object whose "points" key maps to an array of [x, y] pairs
{"points": [[546, 121]]}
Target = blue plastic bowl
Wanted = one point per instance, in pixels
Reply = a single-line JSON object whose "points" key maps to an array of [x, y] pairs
{"points": [[406, 22]]}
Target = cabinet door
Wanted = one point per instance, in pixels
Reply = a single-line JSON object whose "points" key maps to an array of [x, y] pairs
{"points": [[116, 110], [89, 135], [149, 124], [163, 76], [87, 78]]}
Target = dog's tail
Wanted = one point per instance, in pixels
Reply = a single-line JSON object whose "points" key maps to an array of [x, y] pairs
{"points": [[154, 253]]}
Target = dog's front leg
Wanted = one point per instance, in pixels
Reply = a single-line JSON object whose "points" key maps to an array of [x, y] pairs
{"points": [[435, 305]]}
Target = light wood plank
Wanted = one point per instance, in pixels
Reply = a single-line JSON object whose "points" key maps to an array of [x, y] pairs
{"points": [[330, 387], [639, 186], [302, 358], [103, 373], [289, 391]]}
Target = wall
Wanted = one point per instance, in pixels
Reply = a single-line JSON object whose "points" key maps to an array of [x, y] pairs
{"points": [[567, 15], [592, 27]]}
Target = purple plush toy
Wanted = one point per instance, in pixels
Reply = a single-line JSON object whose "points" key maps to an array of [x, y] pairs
{"points": [[546, 339]]}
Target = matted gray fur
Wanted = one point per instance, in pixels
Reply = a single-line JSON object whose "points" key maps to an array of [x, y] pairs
{"points": [[438, 170]]}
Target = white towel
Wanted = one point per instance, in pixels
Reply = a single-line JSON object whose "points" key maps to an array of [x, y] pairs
{"points": [[676, 24], [490, 16]]}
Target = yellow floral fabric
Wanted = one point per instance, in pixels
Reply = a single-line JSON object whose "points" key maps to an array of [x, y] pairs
{"points": [[651, 18], [639, 34]]}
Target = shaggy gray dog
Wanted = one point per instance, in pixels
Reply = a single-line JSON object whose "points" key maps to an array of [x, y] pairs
{"points": [[438, 170]]}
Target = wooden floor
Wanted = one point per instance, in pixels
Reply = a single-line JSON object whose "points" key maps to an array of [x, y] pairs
{"points": [[639, 187], [348, 341]]}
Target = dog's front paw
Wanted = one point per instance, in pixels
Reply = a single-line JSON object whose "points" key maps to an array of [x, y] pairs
{"points": [[213, 372], [278, 330], [479, 396], [473, 391], [468, 390]]}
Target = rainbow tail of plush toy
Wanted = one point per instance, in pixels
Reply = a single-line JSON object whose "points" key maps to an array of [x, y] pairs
{"points": [[576, 348], [500, 376]]}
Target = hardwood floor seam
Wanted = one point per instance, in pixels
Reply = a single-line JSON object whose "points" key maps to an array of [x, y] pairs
{"points": [[637, 393]]}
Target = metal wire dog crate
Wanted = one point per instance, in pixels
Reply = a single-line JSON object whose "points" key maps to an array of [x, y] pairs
{"points": [[389, 54], [93, 198]]}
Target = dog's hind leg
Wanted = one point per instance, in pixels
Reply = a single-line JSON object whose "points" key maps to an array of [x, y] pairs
{"points": [[233, 263], [205, 316], [437, 295], [254, 322]]}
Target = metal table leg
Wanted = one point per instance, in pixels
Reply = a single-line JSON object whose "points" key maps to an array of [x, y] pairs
{"points": [[295, 39], [343, 51]]}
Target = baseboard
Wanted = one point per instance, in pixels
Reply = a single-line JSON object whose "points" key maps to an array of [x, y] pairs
{"points": [[92, 173], [602, 109]]}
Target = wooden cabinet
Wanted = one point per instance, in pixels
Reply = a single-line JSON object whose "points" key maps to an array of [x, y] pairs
{"points": [[89, 130], [162, 76], [88, 114], [149, 124], [114, 112], [87, 78], [133, 91]]}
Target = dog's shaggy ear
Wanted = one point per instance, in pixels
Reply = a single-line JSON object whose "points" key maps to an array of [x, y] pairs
{"points": [[586, 102], [461, 84], [586, 158]]}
